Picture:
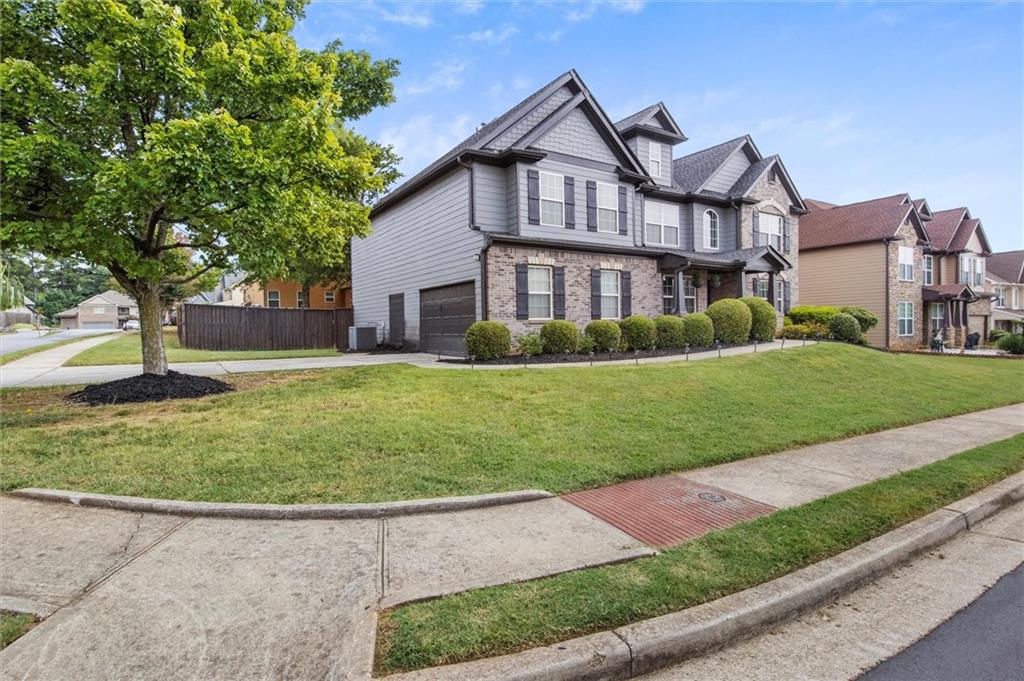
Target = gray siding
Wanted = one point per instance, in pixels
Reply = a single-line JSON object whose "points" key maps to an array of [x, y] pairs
{"points": [[577, 136], [579, 234], [490, 195], [512, 199], [726, 177], [643, 151], [422, 242], [726, 227], [509, 137]]}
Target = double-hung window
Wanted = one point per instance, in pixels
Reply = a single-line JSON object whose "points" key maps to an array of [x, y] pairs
{"points": [[273, 299], [300, 300], [780, 295], [607, 208], [654, 160], [937, 316], [611, 294], [965, 269], [710, 229], [929, 267], [979, 271], [662, 223], [668, 294], [761, 287], [906, 262], [689, 297], [329, 297], [552, 200], [770, 228], [1000, 297], [905, 319], [539, 286]]}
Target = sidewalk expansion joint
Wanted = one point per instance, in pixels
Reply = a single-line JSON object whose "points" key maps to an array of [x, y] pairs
{"points": [[831, 472]]}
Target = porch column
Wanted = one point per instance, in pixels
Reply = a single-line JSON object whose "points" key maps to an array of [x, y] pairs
{"points": [[741, 281], [771, 288]]}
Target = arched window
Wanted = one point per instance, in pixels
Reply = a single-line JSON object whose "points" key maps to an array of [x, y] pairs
{"points": [[710, 228]]}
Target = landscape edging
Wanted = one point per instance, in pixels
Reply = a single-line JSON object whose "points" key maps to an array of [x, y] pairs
{"points": [[209, 509], [667, 640]]}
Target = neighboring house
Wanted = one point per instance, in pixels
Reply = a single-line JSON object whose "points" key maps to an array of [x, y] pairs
{"points": [[916, 270], [107, 310], [22, 314], [551, 211], [1004, 276], [233, 290]]}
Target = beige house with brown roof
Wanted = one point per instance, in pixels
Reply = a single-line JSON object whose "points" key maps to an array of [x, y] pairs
{"points": [[107, 310], [1004, 277]]}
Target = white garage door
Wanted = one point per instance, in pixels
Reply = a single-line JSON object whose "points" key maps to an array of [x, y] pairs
{"points": [[97, 325]]}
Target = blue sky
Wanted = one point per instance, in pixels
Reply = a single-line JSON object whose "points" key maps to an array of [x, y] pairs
{"points": [[861, 100]]}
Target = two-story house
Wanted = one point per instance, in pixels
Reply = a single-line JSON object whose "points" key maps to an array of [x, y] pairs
{"points": [[107, 310], [920, 272], [1004, 277], [552, 211]]}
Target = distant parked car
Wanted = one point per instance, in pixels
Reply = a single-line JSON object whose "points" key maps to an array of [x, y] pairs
{"points": [[132, 325]]}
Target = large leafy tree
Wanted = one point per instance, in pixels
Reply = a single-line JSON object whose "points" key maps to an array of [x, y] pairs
{"points": [[136, 131]]}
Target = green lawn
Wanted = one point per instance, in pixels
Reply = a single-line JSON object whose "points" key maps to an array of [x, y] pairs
{"points": [[127, 349], [12, 626], [401, 432], [503, 619]]}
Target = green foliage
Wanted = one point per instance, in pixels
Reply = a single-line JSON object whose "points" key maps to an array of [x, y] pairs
{"points": [[844, 327], [606, 334], [638, 333], [586, 345], [809, 330], [11, 292], [488, 340], [996, 334], [820, 314], [559, 336], [671, 331], [866, 319], [699, 329], [530, 344], [762, 316], [1012, 343], [732, 320]]}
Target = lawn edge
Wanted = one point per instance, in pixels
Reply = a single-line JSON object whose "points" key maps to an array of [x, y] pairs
{"points": [[659, 642]]}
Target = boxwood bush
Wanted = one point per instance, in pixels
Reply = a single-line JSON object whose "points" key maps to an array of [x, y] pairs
{"points": [[820, 314], [1012, 343], [844, 327], [530, 344], [638, 333], [732, 320], [810, 330], [762, 315], [606, 335], [488, 340], [866, 319], [671, 332], [698, 329], [559, 336]]}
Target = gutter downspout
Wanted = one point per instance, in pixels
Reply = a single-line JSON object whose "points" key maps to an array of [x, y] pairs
{"points": [[885, 245], [472, 193], [483, 276]]}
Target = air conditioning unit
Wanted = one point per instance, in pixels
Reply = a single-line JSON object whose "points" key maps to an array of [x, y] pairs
{"points": [[362, 338]]}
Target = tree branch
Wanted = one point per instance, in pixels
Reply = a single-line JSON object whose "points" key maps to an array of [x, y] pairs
{"points": [[193, 277]]}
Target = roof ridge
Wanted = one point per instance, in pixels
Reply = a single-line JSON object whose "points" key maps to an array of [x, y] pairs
{"points": [[714, 146], [860, 203]]}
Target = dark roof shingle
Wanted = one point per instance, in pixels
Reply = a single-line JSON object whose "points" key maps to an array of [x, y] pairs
{"points": [[1008, 266], [690, 172], [872, 220]]}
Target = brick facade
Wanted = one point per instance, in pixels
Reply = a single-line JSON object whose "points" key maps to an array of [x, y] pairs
{"points": [[645, 280], [773, 197], [905, 291]]}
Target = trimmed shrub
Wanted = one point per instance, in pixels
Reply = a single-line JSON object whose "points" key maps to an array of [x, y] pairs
{"points": [[559, 336], [820, 314], [671, 332], [996, 334], [638, 333], [844, 327], [866, 319], [586, 345], [809, 330], [698, 329], [732, 320], [762, 316], [1012, 343], [530, 344], [606, 335], [488, 340]]}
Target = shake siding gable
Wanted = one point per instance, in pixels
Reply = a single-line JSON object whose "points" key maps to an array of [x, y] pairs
{"points": [[531, 120], [422, 242], [576, 135]]}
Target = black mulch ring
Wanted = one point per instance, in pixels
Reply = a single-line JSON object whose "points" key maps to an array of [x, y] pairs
{"points": [[596, 357], [149, 388]]}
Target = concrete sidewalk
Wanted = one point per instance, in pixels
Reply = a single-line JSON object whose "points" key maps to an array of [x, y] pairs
{"points": [[46, 373], [153, 596]]}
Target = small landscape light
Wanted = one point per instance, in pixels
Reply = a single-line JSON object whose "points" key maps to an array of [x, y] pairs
{"points": [[591, 353], [687, 350]]}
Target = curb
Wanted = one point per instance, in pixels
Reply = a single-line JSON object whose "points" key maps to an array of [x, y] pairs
{"points": [[210, 509], [654, 644]]}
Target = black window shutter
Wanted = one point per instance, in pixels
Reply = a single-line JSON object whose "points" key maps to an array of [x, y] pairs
{"points": [[786, 298], [785, 234], [627, 294], [595, 294], [522, 291], [592, 208], [570, 202], [755, 222], [622, 210], [559, 292], [533, 197]]}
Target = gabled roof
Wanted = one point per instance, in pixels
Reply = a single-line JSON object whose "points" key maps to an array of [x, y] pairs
{"points": [[860, 222], [655, 121], [949, 292], [815, 204], [690, 172], [951, 230], [111, 297], [922, 208], [1007, 265]]}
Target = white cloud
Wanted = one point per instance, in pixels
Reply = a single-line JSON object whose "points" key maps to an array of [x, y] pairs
{"points": [[493, 37], [469, 6], [581, 11], [420, 140], [551, 37], [630, 6], [407, 17], [445, 76]]}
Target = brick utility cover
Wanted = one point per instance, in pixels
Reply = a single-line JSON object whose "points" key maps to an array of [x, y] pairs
{"points": [[668, 510]]}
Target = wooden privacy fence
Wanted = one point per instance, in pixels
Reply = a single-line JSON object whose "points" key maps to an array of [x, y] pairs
{"points": [[222, 327]]}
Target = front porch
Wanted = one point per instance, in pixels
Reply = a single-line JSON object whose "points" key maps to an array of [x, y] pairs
{"points": [[693, 281], [945, 310]]}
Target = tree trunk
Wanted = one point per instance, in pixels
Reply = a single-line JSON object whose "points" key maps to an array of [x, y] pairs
{"points": [[154, 360]]}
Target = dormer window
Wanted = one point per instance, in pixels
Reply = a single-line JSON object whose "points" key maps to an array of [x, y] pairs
{"points": [[654, 160]]}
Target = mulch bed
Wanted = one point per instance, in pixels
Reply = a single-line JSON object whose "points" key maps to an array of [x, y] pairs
{"points": [[150, 388], [596, 357]]}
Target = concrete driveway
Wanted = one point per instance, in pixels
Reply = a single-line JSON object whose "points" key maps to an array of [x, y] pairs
{"points": [[26, 339]]}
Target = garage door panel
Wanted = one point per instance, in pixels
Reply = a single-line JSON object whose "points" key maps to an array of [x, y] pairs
{"points": [[445, 314], [97, 325]]}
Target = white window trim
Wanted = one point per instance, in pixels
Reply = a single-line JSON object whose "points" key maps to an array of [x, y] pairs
{"points": [[618, 294], [671, 298], [706, 220], [614, 207], [900, 318], [560, 200], [300, 300], [1000, 300], [901, 263], [660, 221], [272, 294], [653, 159], [550, 293], [329, 297], [932, 318], [687, 280], [928, 268]]}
